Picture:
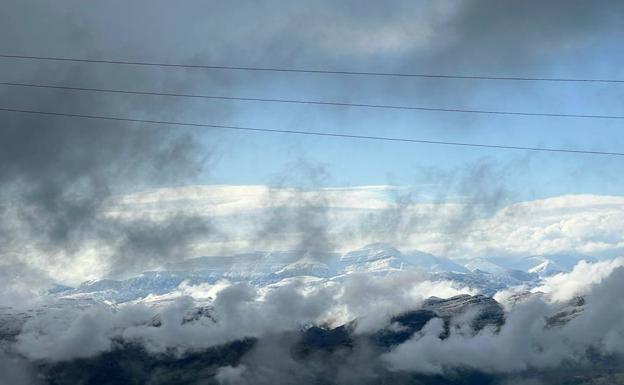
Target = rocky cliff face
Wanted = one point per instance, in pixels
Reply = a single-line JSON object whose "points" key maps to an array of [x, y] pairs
{"points": [[485, 309]]}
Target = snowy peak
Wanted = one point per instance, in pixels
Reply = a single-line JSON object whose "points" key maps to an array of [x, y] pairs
{"points": [[489, 312], [375, 258], [486, 275], [304, 267], [484, 265], [432, 263], [369, 253], [382, 257], [547, 268], [537, 265], [548, 265]]}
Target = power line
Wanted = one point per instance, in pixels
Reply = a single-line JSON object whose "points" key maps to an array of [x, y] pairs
{"points": [[311, 102], [312, 133], [313, 71]]}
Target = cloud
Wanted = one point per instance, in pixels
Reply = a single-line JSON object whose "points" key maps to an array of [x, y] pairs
{"points": [[15, 370], [388, 296], [301, 216], [228, 375], [83, 328], [563, 287], [23, 285], [58, 174], [62, 339], [525, 342], [84, 199], [451, 225]]}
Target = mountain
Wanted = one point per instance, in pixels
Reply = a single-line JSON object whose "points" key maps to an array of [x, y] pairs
{"points": [[374, 258], [241, 266], [485, 309], [304, 268], [380, 257], [151, 282], [547, 265], [485, 265], [331, 349], [433, 264], [464, 314], [525, 268], [485, 275], [547, 268]]}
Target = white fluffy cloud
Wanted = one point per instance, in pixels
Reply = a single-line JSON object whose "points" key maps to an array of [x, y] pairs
{"points": [[346, 218], [525, 341], [237, 311], [579, 281], [577, 224]]}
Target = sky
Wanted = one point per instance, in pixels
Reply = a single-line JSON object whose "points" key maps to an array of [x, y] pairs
{"points": [[88, 199], [558, 39], [60, 177]]}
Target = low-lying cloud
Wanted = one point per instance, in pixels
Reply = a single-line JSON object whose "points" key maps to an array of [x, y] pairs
{"points": [[527, 342]]}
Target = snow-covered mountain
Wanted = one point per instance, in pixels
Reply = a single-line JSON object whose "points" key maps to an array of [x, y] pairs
{"points": [[305, 267], [380, 257], [544, 265], [268, 269], [484, 265], [539, 265]]}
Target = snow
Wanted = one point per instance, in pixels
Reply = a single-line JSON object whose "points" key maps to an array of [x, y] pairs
{"points": [[200, 277], [485, 265]]}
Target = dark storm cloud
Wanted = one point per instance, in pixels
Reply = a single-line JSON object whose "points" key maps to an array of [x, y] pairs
{"points": [[471, 37], [64, 169], [143, 243], [517, 35], [15, 370], [395, 223], [272, 361], [301, 212], [57, 174], [479, 190], [447, 202]]}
